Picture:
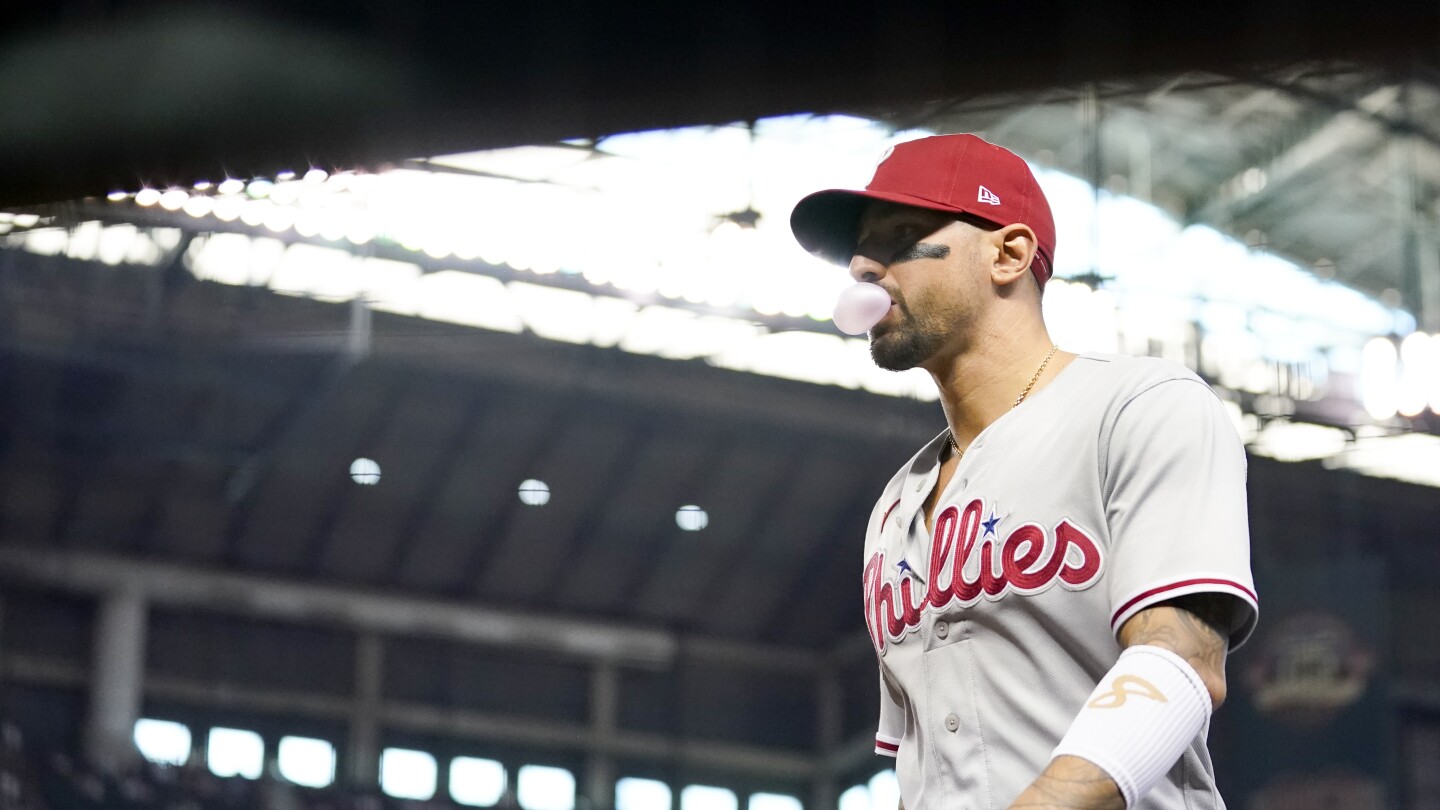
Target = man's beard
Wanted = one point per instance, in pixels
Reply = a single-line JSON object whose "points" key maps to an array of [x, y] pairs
{"points": [[905, 346]]}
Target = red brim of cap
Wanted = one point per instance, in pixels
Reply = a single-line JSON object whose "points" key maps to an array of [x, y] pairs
{"points": [[827, 223]]}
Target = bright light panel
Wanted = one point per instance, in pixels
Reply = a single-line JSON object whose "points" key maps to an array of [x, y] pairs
{"points": [[365, 471], [856, 797], [235, 752], [407, 774], [633, 793], [476, 782], [390, 285], [320, 272], [1298, 441], [691, 518], [306, 761], [541, 787], [773, 801], [1419, 367], [555, 314], [114, 243], [705, 797], [1379, 379], [534, 492], [884, 791], [1412, 457], [163, 741], [47, 241], [470, 300]]}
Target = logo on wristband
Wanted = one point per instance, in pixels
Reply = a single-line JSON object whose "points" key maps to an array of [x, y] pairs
{"points": [[1122, 688]]}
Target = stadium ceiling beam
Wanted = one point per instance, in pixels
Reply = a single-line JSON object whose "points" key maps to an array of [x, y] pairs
{"points": [[1399, 121], [1397, 198], [1244, 190], [311, 603]]}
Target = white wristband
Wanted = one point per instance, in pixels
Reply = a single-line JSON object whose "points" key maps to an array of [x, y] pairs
{"points": [[1139, 720]]}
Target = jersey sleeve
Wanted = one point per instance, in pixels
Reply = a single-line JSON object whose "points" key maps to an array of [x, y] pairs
{"points": [[892, 718], [1174, 488]]}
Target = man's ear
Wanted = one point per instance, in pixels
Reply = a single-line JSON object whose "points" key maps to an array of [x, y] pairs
{"points": [[1016, 251]]}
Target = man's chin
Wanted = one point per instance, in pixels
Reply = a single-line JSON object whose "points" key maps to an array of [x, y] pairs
{"points": [[892, 355]]}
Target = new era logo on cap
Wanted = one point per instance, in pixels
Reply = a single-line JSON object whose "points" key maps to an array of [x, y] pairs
{"points": [[987, 196]]}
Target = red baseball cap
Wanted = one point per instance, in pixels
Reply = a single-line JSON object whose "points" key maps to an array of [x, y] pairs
{"points": [[958, 174]]}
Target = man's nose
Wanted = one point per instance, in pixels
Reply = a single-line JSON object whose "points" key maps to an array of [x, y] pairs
{"points": [[864, 268]]}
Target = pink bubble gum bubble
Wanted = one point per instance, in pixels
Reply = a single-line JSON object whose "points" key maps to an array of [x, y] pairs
{"points": [[860, 307]]}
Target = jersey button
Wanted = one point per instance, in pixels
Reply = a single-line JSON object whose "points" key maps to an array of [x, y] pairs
{"points": [[942, 629], [951, 722]]}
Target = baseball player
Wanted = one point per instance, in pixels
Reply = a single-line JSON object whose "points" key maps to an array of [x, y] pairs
{"points": [[1052, 583]]}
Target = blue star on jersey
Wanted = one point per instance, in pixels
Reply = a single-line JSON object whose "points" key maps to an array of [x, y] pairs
{"points": [[905, 566], [991, 523]]}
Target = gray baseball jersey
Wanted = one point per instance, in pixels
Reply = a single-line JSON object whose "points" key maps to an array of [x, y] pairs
{"points": [[1118, 485]]}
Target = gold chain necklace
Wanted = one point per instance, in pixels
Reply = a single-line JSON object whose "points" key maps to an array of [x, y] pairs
{"points": [[1033, 378]]}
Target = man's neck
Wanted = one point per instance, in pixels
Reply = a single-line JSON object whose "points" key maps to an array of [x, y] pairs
{"points": [[981, 382]]}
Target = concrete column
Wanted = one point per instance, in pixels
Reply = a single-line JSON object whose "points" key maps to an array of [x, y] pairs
{"points": [[1428, 278], [1090, 115], [362, 749], [604, 718], [358, 340], [829, 722], [1420, 275], [442, 774], [117, 680], [1142, 165]]}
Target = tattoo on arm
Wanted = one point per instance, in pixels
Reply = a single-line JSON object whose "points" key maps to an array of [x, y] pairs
{"points": [[1195, 627], [1071, 782]]}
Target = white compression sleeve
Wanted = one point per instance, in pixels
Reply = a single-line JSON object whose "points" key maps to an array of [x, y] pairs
{"points": [[1139, 720]]}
